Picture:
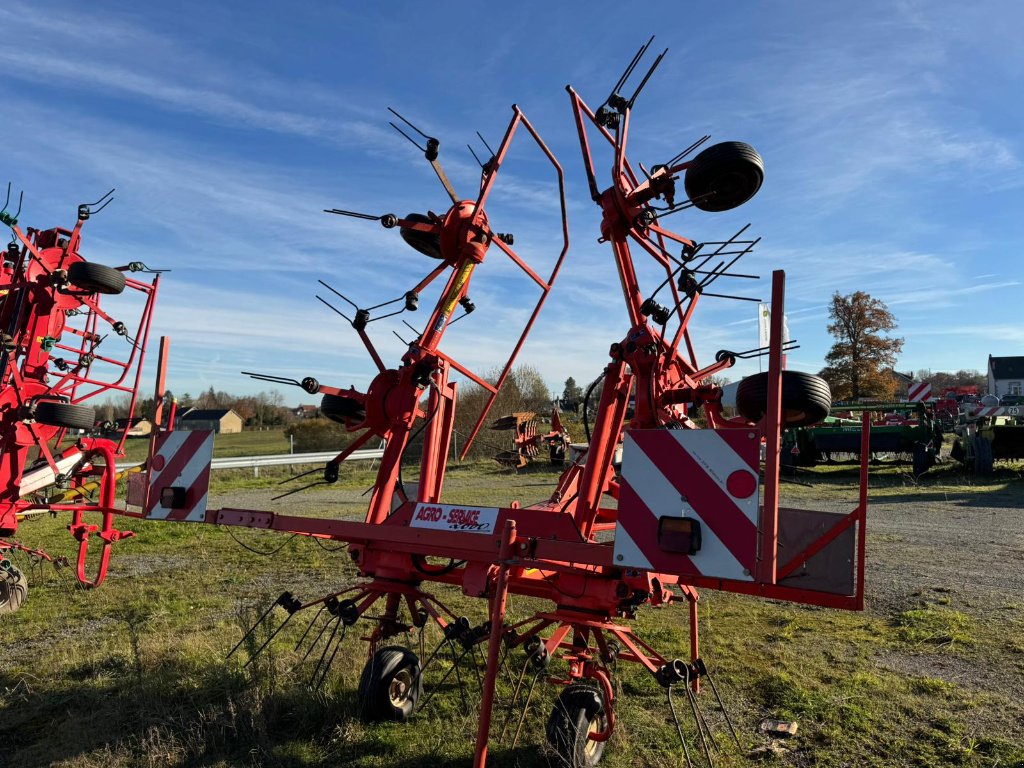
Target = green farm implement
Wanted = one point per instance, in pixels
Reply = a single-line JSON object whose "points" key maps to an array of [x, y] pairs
{"points": [[901, 429]]}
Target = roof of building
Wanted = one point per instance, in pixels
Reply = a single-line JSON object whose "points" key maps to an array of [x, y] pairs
{"points": [[207, 414], [122, 423], [1006, 367], [907, 377], [306, 408]]}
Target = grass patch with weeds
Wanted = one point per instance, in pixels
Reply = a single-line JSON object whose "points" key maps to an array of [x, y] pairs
{"points": [[934, 625]]}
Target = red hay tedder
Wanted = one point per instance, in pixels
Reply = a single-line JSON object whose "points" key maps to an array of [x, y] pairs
{"points": [[685, 511], [60, 348]]}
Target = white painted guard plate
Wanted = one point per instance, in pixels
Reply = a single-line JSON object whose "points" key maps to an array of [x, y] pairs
{"points": [[708, 475], [450, 517], [182, 460]]}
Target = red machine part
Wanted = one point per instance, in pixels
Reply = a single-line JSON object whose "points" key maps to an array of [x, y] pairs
{"points": [[527, 441]]}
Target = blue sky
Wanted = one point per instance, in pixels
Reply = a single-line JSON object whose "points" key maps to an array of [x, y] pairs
{"points": [[891, 132]]}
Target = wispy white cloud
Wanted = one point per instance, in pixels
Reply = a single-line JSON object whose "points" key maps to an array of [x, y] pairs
{"points": [[880, 159]]}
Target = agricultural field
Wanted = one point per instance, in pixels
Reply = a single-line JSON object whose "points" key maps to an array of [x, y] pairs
{"points": [[247, 443], [134, 674]]}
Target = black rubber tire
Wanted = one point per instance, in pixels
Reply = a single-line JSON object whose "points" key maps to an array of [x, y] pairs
{"points": [[982, 455], [806, 398], [427, 243], [809, 454], [724, 176], [13, 590], [67, 415], [957, 452], [390, 686], [96, 278], [923, 459], [342, 409], [556, 454], [578, 708]]}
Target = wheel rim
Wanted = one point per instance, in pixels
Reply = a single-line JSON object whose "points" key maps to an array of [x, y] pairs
{"points": [[791, 415], [592, 748], [9, 588], [401, 685]]}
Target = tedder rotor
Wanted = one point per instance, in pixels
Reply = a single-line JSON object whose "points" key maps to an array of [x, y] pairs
{"points": [[684, 511]]}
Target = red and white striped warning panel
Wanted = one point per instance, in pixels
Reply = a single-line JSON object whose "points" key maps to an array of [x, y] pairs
{"points": [[919, 391], [179, 476], [689, 502], [997, 410]]}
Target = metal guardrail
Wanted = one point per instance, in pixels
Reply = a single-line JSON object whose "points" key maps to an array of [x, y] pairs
{"points": [[286, 459], [280, 459]]}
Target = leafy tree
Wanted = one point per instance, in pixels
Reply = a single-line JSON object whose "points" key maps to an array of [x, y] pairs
{"points": [[859, 363], [572, 395]]}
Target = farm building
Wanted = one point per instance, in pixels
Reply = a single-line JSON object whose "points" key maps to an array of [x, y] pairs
{"points": [[139, 427], [1005, 376], [223, 421], [306, 412]]}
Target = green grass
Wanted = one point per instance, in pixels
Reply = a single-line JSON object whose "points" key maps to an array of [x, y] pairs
{"points": [[935, 626], [133, 674]]}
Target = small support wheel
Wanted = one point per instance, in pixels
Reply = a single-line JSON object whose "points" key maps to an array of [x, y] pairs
{"points": [[724, 176], [66, 415], [342, 409], [578, 713], [982, 455], [923, 459], [427, 243], [806, 398], [390, 686], [96, 278], [13, 589], [957, 452]]}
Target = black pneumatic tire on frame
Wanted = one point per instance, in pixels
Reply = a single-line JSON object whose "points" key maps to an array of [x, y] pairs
{"points": [[806, 398], [427, 243], [67, 415], [724, 176], [957, 452], [922, 459], [982, 455], [342, 409], [13, 590], [578, 712], [390, 686], [96, 278]]}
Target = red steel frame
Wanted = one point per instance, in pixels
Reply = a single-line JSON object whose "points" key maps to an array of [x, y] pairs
{"points": [[549, 550]]}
